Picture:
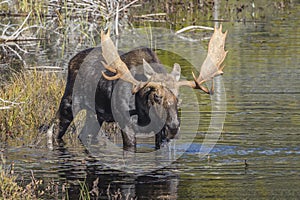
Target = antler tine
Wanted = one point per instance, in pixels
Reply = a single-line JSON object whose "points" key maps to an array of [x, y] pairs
{"points": [[110, 78], [113, 61], [211, 66]]}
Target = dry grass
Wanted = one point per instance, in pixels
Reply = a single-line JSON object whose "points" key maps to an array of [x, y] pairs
{"points": [[12, 186], [10, 189], [28, 100]]}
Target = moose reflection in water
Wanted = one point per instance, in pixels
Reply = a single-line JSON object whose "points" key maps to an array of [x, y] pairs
{"points": [[107, 184], [155, 92]]}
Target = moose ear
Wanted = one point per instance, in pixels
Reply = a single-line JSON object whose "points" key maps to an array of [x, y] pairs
{"points": [[176, 71], [148, 70]]}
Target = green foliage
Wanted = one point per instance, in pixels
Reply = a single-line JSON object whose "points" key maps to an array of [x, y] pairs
{"points": [[84, 191]]}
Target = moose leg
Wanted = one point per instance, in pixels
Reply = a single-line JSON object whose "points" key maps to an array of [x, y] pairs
{"points": [[160, 139], [64, 117], [61, 122], [89, 132], [129, 139]]}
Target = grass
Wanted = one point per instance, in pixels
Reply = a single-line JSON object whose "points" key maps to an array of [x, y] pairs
{"points": [[10, 188], [29, 100]]}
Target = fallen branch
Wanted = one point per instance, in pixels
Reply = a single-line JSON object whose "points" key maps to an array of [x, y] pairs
{"points": [[126, 6], [16, 38], [3, 2], [150, 15], [5, 107], [45, 67], [52, 69], [7, 39], [193, 27], [10, 102], [20, 29], [16, 53]]}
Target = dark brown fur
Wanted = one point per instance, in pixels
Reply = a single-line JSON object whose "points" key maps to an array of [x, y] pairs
{"points": [[159, 96]]}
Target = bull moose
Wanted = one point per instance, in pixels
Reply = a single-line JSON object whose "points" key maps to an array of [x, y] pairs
{"points": [[145, 80]]}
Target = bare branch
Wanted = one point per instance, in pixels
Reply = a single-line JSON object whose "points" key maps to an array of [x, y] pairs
{"points": [[5, 107], [12, 104], [19, 30], [193, 27]]}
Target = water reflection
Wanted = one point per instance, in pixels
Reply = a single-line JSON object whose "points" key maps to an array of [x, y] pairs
{"points": [[107, 183]]}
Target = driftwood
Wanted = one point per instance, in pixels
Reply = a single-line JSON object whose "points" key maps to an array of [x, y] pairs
{"points": [[16, 35], [12, 104], [193, 28]]}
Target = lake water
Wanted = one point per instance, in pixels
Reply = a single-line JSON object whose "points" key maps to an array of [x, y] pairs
{"points": [[257, 155]]}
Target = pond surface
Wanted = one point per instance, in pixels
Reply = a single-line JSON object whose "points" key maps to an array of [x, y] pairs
{"points": [[258, 153]]}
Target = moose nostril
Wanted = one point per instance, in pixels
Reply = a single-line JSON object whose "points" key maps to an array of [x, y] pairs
{"points": [[157, 98], [174, 125]]}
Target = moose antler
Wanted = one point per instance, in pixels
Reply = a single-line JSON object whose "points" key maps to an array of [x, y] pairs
{"points": [[115, 64], [211, 66]]}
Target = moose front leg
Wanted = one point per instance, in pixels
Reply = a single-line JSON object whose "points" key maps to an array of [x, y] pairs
{"points": [[63, 118], [160, 139], [129, 139]]}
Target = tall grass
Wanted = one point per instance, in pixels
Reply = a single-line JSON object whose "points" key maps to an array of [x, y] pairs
{"points": [[29, 100]]}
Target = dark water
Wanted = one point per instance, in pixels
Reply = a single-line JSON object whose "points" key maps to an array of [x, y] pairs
{"points": [[257, 155]]}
